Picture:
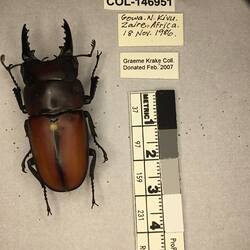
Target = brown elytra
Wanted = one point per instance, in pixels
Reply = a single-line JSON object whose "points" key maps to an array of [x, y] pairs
{"points": [[60, 146]]}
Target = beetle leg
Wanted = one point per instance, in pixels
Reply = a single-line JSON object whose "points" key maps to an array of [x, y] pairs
{"points": [[93, 43], [94, 81], [93, 132], [97, 61], [17, 92], [89, 98], [24, 160], [38, 177], [91, 174]]}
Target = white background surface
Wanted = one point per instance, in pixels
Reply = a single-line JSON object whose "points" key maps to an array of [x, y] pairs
{"points": [[213, 90]]}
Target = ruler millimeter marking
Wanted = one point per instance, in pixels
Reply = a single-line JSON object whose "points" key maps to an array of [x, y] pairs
{"points": [[157, 198]]}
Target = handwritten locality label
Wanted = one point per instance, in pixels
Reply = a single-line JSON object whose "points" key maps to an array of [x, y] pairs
{"points": [[147, 5], [150, 29], [149, 65]]}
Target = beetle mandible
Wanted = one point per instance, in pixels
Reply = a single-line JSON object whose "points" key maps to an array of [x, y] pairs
{"points": [[56, 126]]}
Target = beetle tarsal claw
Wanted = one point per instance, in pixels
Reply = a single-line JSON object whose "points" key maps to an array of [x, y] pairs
{"points": [[49, 212], [98, 55], [94, 204], [93, 43]]}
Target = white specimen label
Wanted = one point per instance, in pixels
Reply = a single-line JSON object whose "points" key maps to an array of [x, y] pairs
{"points": [[150, 29], [145, 5], [149, 65]]}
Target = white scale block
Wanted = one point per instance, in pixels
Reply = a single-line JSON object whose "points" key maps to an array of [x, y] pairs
{"points": [[173, 218]]}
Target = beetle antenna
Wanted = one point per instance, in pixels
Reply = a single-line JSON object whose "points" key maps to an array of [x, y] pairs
{"points": [[9, 68], [46, 200]]}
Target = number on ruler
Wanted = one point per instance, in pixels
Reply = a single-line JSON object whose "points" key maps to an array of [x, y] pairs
{"points": [[152, 190], [135, 109], [151, 153], [138, 144], [139, 177], [140, 214], [154, 225]]}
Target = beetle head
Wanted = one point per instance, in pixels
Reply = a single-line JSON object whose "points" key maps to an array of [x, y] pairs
{"points": [[65, 50]]}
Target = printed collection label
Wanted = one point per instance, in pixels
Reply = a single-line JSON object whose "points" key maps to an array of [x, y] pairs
{"points": [[149, 65]]}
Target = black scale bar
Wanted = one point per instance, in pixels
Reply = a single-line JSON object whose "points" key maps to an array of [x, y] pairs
{"points": [[166, 110]]}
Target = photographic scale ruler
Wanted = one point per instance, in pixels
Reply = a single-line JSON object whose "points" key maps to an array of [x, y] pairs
{"points": [[155, 171]]}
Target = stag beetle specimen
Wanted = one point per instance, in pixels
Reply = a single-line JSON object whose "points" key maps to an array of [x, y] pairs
{"points": [[56, 127]]}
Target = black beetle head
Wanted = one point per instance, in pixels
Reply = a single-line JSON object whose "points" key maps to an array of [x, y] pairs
{"points": [[66, 49]]}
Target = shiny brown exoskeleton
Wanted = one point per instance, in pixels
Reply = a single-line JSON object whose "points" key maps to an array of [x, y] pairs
{"points": [[56, 127]]}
